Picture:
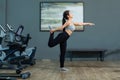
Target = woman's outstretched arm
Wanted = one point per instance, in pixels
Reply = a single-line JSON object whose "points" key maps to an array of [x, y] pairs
{"points": [[83, 24]]}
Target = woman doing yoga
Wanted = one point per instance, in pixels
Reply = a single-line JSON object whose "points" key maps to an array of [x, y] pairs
{"points": [[67, 28]]}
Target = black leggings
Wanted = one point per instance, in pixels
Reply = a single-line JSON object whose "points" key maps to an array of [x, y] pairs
{"points": [[62, 40]]}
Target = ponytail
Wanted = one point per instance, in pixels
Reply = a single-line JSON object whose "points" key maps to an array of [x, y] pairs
{"points": [[63, 22], [65, 17]]}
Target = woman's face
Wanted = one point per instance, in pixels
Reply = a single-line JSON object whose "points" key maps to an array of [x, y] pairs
{"points": [[70, 15]]}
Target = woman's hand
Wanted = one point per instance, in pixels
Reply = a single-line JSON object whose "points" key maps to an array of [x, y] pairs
{"points": [[52, 31], [91, 24]]}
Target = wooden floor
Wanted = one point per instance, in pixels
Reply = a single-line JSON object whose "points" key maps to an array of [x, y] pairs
{"points": [[78, 70]]}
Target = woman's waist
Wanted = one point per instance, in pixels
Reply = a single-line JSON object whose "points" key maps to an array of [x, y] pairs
{"points": [[69, 32]]}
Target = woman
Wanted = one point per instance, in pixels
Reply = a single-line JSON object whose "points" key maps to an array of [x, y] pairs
{"points": [[68, 26]]}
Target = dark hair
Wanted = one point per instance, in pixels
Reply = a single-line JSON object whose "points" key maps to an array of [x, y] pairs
{"points": [[65, 14]]}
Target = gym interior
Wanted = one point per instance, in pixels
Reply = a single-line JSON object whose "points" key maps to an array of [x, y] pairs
{"points": [[102, 39]]}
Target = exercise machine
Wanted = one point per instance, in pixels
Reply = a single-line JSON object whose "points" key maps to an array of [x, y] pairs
{"points": [[16, 52], [19, 42]]}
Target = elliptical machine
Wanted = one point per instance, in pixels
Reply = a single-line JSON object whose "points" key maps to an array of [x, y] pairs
{"points": [[16, 52], [22, 42], [18, 41]]}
